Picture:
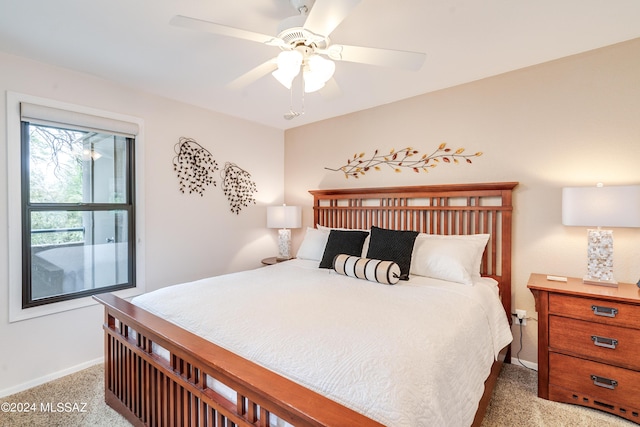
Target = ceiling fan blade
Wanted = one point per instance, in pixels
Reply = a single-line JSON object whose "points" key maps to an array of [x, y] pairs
{"points": [[326, 15], [331, 89], [254, 74], [222, 30], [374, 56]]}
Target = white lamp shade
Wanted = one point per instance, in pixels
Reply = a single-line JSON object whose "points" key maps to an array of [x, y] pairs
{"points": [[284, 217], [602, 206]]}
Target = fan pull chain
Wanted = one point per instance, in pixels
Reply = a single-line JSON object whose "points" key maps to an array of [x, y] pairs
{"points": [[302, 91], [293, 114]]}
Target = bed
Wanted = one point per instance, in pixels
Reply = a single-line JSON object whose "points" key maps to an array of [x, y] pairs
{"points": [[159, 373]]}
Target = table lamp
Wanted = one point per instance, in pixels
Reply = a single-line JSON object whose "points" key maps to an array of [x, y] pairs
{"points": [[601, 206], [284, 217]]}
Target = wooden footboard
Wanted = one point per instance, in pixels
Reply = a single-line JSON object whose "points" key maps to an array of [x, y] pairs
{"points": [[148, 390]]}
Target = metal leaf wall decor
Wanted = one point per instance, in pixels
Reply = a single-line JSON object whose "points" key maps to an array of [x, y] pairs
{"points": [[238, 187], [194, 165], [407, 158]]}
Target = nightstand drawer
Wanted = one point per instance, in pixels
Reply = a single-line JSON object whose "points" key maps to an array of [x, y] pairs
{"points": [[604, 382], [594, 310], [612, 344]]}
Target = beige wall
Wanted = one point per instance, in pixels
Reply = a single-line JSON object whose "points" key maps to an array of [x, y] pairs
{"points": [[574, 121], [187, 237]]}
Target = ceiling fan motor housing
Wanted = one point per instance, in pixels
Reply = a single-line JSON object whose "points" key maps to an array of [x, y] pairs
{"points": [[291, 30], [298, 36]]}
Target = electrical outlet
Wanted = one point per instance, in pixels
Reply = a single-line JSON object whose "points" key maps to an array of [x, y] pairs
{"points": [[521, 316]]}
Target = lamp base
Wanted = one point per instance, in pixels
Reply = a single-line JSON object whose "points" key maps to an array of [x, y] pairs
{"points": [[284, 244], [600, 258], [588, 280]]}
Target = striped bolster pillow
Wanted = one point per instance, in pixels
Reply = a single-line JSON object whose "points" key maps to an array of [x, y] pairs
{"points": [[375, 270]]}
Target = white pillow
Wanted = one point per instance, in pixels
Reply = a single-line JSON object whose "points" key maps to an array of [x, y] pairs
{"points": [[312, 246], [453, 258]]}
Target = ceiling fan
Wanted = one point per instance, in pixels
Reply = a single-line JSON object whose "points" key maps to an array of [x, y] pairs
{"points": [[305, 46]]}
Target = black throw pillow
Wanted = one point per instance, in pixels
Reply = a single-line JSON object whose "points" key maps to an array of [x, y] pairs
{"points": [[342, 242], [393, 245]]}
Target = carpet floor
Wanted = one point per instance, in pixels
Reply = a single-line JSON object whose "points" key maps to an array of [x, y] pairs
{"points": [[77, 400]]}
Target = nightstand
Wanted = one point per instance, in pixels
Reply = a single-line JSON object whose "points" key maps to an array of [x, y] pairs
{"points": [[273, 260], [589, 344]]}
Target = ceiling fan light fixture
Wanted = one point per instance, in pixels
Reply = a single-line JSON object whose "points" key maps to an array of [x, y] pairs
{"points": [[285, 79], [289, 63], [311, 84], [317, 72]]}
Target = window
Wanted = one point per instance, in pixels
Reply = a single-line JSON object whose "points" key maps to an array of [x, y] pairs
{"points": [[78, 217], [78, 205]]}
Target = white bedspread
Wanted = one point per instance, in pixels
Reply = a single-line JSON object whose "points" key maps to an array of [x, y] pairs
{"points": [[413, 354]]}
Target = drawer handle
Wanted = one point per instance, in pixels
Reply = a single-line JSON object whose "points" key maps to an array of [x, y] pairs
{"points": [[604, 311], [604, 342], [604, 382]]}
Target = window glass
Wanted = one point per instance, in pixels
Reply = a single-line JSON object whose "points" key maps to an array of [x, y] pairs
{"points": [[64, 260], [69, 166], [78, 215]]}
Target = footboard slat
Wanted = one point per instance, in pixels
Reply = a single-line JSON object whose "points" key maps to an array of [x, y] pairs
{"points": [[162, 400], [172, 403], [149, 390]]}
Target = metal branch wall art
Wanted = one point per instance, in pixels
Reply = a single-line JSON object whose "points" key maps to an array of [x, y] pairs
{"points": [[195, 166], [407, 158], [238, 187]]}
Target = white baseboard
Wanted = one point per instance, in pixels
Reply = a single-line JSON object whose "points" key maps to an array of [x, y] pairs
{"points": [[54, 376], [525, 363]]}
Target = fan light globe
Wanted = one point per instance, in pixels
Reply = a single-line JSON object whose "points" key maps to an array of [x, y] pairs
{"points": [[312, 86], [317, 72], [289, 62], [285, 79]]}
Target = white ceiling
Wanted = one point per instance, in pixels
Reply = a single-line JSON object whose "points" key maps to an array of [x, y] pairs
{"points": [[131, 42]]}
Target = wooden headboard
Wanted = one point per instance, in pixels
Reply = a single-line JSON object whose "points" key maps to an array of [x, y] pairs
{"points": [[454, 209]]}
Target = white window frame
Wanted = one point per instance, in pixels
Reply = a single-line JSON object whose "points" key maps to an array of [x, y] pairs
{"points": [[14, 203]]}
